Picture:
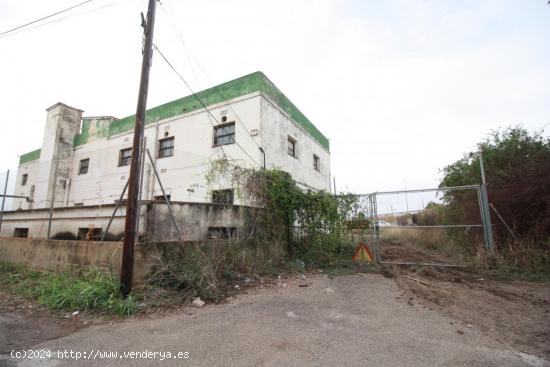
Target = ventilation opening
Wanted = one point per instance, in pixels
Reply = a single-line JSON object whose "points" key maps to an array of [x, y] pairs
{"points": [[161, 198], [89, 234], [21, 232], [222, 232]]}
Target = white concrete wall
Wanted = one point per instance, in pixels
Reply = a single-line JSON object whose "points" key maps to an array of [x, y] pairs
{"points": [[276, 127], [183, 174], [34, 171]]}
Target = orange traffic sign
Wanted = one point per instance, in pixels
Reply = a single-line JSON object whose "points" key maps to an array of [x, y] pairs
{"points": [[362, 253]]}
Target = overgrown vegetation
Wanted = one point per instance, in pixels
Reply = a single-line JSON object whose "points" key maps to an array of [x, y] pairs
{"points": [[92, 290], [291, 228], [518, 184]]}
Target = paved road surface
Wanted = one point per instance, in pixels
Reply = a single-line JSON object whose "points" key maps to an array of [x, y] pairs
{"points": [[345, 321]]}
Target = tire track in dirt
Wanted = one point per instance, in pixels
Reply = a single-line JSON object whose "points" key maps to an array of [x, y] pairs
{"points": [[513, 312]]}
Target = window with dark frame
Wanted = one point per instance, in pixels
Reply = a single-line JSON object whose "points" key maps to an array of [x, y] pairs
{"points": [[83, 168], [222, 196], [166, 147], [24, 179], [291, 147], [21, 232], [124, 157], [316, 163], [224, 134]]}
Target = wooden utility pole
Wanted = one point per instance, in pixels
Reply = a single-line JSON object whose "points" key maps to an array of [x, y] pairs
{"points": [[133, 205]]}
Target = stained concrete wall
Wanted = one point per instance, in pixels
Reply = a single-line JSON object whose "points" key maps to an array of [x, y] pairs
{"points": [[71, 255], [63, 220], [276, 128], [194, 220]]}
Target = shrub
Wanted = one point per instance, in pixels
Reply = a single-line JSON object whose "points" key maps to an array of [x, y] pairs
{"points": [[64, 236], [93, 290]]}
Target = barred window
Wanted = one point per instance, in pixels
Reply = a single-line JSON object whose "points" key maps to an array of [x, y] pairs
{"points": [[316, 163], [124, 157], [83, 168], [224, 134], [166, 147], [291, 147]]}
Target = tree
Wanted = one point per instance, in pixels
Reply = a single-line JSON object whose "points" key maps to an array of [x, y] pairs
{"points": [[517, 166]]}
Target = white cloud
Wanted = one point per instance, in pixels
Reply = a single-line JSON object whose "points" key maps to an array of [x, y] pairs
{"points": [[402, 89]]}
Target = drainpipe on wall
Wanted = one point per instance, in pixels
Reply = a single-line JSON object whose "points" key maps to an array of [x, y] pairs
{"points": [[263, 152], [154, 162]]}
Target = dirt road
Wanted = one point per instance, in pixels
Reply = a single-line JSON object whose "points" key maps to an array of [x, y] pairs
{"points": [[358, 320], [513, 312]]}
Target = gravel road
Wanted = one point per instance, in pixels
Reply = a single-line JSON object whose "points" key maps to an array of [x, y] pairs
{"points": [[358, 320]]}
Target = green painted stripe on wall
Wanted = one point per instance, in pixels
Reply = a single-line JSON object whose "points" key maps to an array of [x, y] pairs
{"points": [[29, 157], [255, 82]]}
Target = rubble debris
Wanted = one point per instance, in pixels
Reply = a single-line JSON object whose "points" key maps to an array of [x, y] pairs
{"points": [[198, 302]]}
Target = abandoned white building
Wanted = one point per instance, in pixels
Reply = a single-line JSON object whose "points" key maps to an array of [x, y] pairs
{"points": [[83, 163]]}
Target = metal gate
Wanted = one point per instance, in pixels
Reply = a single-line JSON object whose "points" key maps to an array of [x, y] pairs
{"points": [[369, 204]]}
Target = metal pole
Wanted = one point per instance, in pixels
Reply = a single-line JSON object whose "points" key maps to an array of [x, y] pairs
{"points": [[165, 198], [142, 160], [4, 198], [482, 168], [376, 227], [406, 196], [334, 181], [485, 206], [480, 203], [377, 253], [448, 188], [53, 197], [132, 207], [504, 222], [114, 212], [263, 152]]}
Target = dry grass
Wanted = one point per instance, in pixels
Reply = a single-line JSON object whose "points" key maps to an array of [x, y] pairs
{"points": [[434, 239]]}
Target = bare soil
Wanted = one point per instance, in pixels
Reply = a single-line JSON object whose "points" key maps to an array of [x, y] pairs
{"points": [[512, 312], [24, 323]]}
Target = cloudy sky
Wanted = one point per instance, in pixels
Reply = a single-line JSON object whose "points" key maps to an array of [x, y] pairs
{"points": [[401, 87]]}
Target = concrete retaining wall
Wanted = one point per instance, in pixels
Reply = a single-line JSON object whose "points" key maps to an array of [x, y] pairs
{"points": [[194, 220], [71, 255]]}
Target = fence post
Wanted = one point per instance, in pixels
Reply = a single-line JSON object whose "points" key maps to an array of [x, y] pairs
{"points": [[52, 203], [486, 215], [4, 198]]}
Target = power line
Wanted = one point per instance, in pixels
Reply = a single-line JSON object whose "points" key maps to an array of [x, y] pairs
{"points": [[46, 17], [188, 53], [173, 24], [201, 102], [61, 19]]}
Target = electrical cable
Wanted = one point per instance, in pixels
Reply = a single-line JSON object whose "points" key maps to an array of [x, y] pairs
{"points": [[187, 53], [45, 17], [201, 102]]}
